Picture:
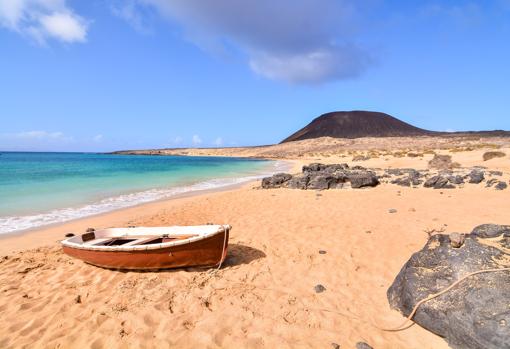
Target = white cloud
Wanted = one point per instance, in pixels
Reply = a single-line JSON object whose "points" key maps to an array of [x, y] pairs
{"points": [[310, 67], [196, 140], [177, 140], [218, 142], [37, 135], [43, 19], [36, 140], [131, 13], [98, 138], [297, 41]]}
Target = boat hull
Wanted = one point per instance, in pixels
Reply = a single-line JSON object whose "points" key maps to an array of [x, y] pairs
{"points": [[208, 252]]}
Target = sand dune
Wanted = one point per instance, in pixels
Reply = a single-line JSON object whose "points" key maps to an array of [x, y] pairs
{"points": [[264, 296]]}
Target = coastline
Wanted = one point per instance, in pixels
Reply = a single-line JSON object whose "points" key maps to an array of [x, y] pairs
{"points": [[42, 235], [29, 222]]}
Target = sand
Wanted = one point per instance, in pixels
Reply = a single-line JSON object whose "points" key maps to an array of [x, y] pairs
{"points": [[264, 295]]}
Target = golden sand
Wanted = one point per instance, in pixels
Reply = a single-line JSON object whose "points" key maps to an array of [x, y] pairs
{"points": [[264, 295]]}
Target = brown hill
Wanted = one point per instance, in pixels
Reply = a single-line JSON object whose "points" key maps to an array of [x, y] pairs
{"points": [[356, 124]]}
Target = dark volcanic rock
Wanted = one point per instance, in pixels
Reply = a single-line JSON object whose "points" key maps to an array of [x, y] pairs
{"points": [[438, 182], [501, 186], [319, 288], [476, 176], [275, 181], [355, 124], [360, 179], [491, 230], [320, 177], [491, 182], [321, 182], [476, 312], [403, 182], [298, 182], [456, 179], [312, 168], [363, 345]]}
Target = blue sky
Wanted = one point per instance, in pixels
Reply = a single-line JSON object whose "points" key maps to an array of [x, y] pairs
{"points": [[102, 75]]}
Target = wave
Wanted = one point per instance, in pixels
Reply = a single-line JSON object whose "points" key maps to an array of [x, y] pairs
{"points": [[11, 224]]}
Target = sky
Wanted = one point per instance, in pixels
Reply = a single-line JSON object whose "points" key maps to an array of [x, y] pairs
{"points": [[102, 75]]}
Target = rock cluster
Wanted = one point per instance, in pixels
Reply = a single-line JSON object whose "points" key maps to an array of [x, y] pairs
{"points": [[473, 314], [320, 176], [443, 179]]}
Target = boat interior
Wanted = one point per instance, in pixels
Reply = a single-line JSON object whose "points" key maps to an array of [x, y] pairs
{"points": [[142, 238], [89, 239]]}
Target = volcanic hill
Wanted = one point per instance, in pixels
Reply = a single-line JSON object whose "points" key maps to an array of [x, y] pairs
{"points": [[356, 124]]}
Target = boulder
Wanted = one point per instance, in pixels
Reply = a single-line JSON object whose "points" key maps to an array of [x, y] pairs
{"points": [[319, 177], [321, 182], [476, 176], [275, 181], [315, 167], [438, 182], [456, 179], [403, 182], [298, 182], [495, 173], [360, 179], [473, 314]]}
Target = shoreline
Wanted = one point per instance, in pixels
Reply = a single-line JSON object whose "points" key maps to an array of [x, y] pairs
{"points": [[14, 238], [192, 189]]}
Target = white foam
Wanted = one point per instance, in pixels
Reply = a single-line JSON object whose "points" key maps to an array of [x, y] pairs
{"points": [[18, 223]]}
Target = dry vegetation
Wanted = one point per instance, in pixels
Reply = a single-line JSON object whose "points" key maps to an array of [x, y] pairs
{"points": [[493, 155], [339, 147]]}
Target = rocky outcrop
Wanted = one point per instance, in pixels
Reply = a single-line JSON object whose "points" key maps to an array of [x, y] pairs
{"points": [[335, 176], [473, 314], [320, 177], [275, 181]]}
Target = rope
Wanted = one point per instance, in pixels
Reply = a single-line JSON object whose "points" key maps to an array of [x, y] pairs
{"points": [[403, 326], [225, 230]]}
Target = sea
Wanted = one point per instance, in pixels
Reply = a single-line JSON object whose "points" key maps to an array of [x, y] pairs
{"points": [[38, 189]]}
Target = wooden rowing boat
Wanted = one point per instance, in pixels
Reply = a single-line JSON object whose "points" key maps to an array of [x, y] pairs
{"points": [[144, 248]]}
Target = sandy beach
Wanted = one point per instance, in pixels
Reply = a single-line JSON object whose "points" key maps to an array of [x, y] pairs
{"points": [[264, 296]]}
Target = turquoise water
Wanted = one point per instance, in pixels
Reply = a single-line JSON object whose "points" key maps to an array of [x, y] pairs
{"points": [[43, 188]]}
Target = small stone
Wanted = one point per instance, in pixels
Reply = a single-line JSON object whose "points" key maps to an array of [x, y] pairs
{"points": [[368, 232], [363, 345], [457, 240], [77, 299], [392, 210], [501, 186], [322, 252], [69, 235], [335, 346], [90, 230], [319, 288]]}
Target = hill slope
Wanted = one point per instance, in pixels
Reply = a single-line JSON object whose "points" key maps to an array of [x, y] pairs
{"points": [[356, 124]]}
